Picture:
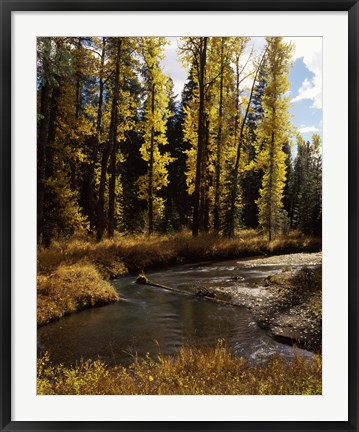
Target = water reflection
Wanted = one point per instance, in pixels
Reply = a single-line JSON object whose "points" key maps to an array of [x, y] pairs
{"points": [[153, 320]]}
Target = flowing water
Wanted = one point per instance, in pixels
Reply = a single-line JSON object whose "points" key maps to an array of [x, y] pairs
{"points": [[157, 321]]}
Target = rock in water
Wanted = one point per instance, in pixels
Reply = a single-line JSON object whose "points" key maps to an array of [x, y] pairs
{"points": [[204, 292], [141, 279]]}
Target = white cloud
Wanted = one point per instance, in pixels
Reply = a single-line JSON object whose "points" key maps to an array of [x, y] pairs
{"points": [[307, 129], [307, 48], [172, 66], [258, 44], [310, 50], [251, 54]]}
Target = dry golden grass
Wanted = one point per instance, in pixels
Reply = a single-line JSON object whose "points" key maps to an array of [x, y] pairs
{"points": [[71, 273], [192, 372], [70, 288], [114, 257]]}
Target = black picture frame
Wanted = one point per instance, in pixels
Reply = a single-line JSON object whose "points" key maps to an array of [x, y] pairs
{"points": [[9, 6]]}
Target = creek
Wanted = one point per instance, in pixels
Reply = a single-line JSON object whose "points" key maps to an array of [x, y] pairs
{"points": [[157, 321]]}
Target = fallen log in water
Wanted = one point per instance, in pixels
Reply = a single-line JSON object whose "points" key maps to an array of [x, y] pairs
{"points": [[200, 292], [142, 280]]}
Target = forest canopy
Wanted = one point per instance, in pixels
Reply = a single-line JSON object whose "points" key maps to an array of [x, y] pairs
{"points": [[118, 151]]}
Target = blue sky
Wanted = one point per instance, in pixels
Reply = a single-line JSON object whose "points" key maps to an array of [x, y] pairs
{"points": [[305, 79], [306, 116]]}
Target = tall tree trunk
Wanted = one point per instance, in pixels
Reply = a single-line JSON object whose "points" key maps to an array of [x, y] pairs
{"points": [[201, 136], [41, 161], [204, 202], [100, 210], [91, 197], [78, 82], [233, 195], [150, 168], [49, 207], [114, 145], [216, 210], [270, 207], [234, 191], [73, 166]]}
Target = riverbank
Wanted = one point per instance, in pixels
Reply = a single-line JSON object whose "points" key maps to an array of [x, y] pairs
{"points": [[58, 265], [121, 254], [193, 372], [287, 304], [71, 288]]}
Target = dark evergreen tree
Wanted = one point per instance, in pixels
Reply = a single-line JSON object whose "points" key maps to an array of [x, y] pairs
{"points": [[252, 180], [57, 206], [177, 201], [306, 187], [132, 166], [133, 210]]}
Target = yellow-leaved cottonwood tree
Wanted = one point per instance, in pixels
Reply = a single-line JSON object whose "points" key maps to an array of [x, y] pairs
{"points": [[221, 115], [208, 125], [273, 133], [154, 127], [103, 109], [122, 113], [194, 54], [60, 126]]}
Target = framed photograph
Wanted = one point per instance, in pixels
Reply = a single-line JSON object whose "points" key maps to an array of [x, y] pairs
{"points": [[179, 215]]}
